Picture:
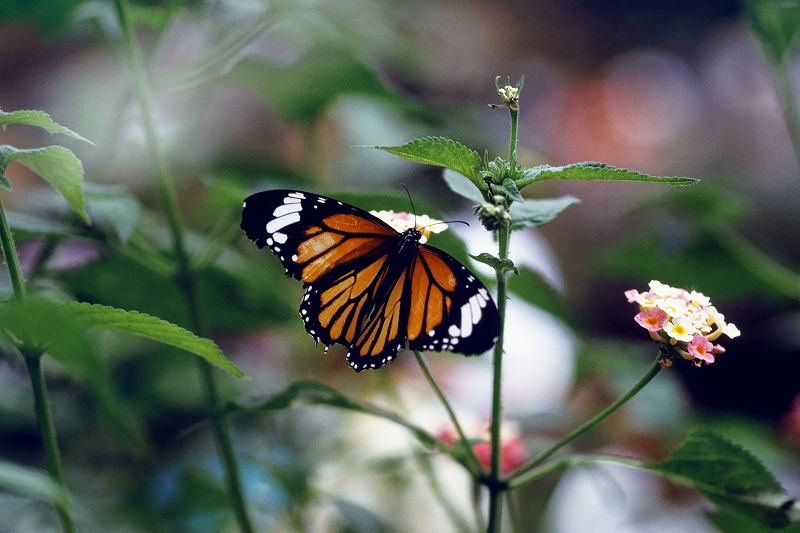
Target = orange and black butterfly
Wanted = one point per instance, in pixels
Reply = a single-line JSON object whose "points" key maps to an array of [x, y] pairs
{"points": [[368, 287]]}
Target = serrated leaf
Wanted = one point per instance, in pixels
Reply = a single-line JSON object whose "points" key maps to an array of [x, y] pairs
{"points": [[441, 152], [45, 327], [728, 475], [150, 327], [59, 167], [776, 23], [590, 171], [37, 118], [730, 521], [31, 482], [535, 213], [462, 186], [312, 393], [495, 262]]}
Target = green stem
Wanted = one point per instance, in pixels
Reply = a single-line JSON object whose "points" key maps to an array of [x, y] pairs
{"points": [[44, 420], [10, 254], [654, 369], [512, 145], [783, 79], [464, 440], [573, 461], [33, 360], [185, 276], [496, 488]]}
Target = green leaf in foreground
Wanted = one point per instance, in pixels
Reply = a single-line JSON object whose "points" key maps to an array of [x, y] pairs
{"points": [[58, 166], [462, 186], [150, 327], [37, 118], [312, 393], [441, 152], [535, 213], [729, 476], [504, 265], [30, 482], [590, 171]]}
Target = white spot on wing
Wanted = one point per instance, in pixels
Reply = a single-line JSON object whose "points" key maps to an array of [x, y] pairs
{"points": [[281, 222], [454, 331], [475, 306], [466, 320], [285, 209], [280, 238]]}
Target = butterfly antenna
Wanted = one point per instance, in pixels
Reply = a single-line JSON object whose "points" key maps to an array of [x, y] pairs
{"points": [[410, 201]]}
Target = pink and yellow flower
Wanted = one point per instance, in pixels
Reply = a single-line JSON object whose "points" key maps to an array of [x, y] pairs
{"points": [[683, 322]]}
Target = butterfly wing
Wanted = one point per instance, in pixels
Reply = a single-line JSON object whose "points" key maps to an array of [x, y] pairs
{"points": [[340, 252], [312, 235], [368, 287], [451, 310]]}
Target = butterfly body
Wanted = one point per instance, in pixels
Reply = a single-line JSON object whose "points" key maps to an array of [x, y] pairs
{"points": [[367, 286]]}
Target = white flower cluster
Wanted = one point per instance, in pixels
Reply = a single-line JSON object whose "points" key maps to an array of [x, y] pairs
{"points": [[684, 320], [403, 221]]}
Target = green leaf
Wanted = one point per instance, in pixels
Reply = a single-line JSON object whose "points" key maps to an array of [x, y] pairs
{"points": [[441, 152], [59, 167], [462, 186], [776, 23], [729, 476], [304, 89], [590, 171], [729, 521], [43, 326], [312, 393], [135, 323], [5, 185], [32, 482], [39, 323], [535, 213], [37, 118], [496, 263], [113, 208], [31, 224]]}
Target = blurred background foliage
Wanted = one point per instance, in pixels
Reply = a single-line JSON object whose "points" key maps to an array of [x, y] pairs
{"points": [[251, 94]]}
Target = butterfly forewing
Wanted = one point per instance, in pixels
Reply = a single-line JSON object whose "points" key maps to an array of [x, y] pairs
{"points": [[369, 287]]}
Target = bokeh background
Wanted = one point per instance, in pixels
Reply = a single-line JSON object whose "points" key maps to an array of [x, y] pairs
{"points": [[251, 94]]}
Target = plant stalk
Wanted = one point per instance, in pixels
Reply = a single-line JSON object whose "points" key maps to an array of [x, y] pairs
{"points": [[185, 278], [496, 489], [47, 430], [33, 361], [478, 469], [516, 480], [10, 254]]}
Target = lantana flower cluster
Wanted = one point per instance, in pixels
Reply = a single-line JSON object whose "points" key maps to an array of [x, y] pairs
{"points": [[683, 321], [402, 221]]}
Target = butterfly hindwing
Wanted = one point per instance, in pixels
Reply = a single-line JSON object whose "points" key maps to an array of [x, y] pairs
{"points": [[368, 287], [451, 309]]}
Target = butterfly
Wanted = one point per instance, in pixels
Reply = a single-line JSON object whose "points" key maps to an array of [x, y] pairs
{"points": [[367, 286]]}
